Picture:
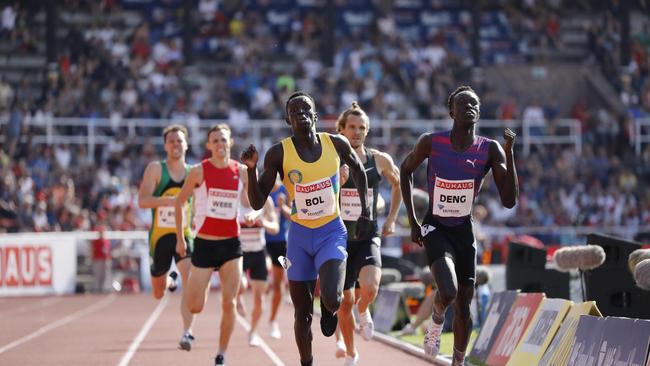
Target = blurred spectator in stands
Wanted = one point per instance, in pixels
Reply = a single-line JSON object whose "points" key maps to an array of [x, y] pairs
{"points": [[101, 255], [508, 109], [534, 118], [208, 9], [8, 217], [41, 221], [6, 93], [8, 22], [15, 128]]}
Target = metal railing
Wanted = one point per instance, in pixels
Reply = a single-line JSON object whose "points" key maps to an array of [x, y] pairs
{"points": [[101, 131], [641, 134]]}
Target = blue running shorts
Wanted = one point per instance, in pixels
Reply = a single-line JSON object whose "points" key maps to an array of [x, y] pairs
{"points": [[308, 249]]}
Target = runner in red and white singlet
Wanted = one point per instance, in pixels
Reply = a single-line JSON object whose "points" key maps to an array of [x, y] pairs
{"points": [[217, 184]]}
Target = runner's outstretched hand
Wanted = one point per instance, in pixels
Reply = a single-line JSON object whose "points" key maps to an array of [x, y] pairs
{"points": [[249, 156]]}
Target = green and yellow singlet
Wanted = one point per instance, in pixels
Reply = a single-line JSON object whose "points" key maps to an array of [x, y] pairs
{"points": [[163, 219]]}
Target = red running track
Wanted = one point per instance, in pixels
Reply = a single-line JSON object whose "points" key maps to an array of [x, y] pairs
{"points": [[121, 329]]}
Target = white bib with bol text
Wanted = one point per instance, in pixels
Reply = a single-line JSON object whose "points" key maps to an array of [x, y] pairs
{"points": [[315, 200]]}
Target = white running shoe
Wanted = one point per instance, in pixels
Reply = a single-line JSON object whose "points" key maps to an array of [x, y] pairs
{"points": [[407, 330], [340, 349], [351, 361], [185, 343], [275, 331], [432, 339], [254, 340], [366, 326]]}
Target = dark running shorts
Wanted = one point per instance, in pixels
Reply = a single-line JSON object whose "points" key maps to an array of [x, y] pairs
{"points": [[276, 249], [360, 254], [255, 264], [163, 253], [455, 242], [214, 253]]}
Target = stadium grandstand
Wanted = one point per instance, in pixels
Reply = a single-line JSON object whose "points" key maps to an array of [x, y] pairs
{"points": [[87, 87]]}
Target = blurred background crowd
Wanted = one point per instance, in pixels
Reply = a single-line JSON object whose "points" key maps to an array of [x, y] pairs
{"points": [[239, 60]]}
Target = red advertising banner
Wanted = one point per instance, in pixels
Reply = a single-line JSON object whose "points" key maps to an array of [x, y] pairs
{"points": [[513, 329]]}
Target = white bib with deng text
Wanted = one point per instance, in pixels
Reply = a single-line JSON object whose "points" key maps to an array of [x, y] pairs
{"points": [[453, 198]]}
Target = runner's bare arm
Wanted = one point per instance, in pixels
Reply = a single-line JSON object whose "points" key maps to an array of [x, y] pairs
{"points": [[414, 158], [270, 220], [357, 173], [502, 162], [259, 189], [194, 178], [388, 169], [150, 179], [344, 173], [243, 173]]}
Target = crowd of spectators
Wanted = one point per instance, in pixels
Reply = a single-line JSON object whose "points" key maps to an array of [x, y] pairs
{"points": [[114, 70]]}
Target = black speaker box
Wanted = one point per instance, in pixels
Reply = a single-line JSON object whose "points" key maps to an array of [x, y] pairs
{"points": [[616, 294], [611, 285], [551, 282], [617, 250], [525, 256]]}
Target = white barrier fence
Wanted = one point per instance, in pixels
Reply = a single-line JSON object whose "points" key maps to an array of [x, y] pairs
{"points": [[38, 264], [101, 131], [46, 263]]}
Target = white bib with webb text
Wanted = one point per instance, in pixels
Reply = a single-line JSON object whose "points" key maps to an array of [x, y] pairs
{"points": [[351, 204], [222, 203], [314, 200], [453, 198]]}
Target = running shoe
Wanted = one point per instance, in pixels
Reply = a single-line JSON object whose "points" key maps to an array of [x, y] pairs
{"points": [[186, 342], [407, 330], [275, 331], [351, 361], [254, 340], [173, 284], [366, 326], [219, 360], [340, 349], [328, 321], [432, 339]]}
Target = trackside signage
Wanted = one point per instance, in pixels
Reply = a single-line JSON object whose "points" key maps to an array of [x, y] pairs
{"points": [[37, 264]]}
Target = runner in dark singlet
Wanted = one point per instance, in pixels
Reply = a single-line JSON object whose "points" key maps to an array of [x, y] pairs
{"points": [[364, 256], [457, 163]]}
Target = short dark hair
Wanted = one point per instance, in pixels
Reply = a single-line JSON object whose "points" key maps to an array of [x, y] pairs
{"points": [[174, 128], [460, 89], [297, 94], [217, 127]]}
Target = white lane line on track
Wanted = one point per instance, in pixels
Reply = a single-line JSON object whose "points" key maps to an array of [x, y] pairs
{"points": [[265, 347], [74, 316], [143, 332], [34, 306]]}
